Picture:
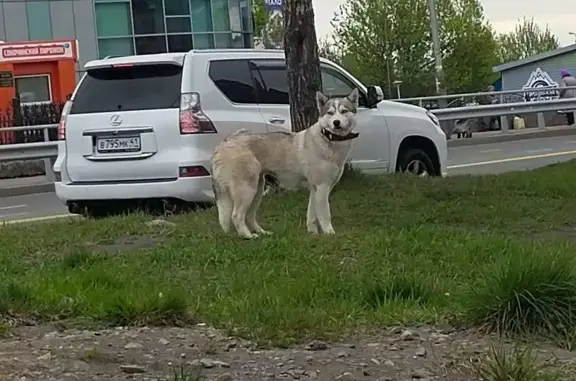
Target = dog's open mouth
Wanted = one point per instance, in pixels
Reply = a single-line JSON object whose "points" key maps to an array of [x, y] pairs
{"points": [[339, 138]]}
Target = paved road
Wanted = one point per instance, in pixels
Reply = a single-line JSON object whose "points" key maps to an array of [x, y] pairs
{"points": [[510, 156], [31, 206], [481, 159]]}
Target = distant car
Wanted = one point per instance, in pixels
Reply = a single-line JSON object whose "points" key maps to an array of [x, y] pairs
{"points": [[144, 127]]}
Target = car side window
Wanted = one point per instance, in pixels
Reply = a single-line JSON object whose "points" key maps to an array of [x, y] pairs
{"points": [[234, 79], [336, 85], [272, 82]]}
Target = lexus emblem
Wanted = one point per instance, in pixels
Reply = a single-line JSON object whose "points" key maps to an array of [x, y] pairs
{"points": [[115, 120]]}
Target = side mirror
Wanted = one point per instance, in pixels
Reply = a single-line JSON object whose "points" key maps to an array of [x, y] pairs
{"points": [[375, 95]]}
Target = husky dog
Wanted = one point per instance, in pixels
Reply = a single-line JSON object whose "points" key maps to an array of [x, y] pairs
{"points": [[313, 158]]}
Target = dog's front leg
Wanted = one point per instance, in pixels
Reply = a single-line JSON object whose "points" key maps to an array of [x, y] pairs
{"points": [[311, 218], [322, 208]]}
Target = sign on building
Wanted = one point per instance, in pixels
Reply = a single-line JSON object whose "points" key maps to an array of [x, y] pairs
{"points": [[30, 50], [273, 5], [540, 79]]}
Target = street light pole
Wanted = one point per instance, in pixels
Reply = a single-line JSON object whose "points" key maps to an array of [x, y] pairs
{"points": [[440, 89]]}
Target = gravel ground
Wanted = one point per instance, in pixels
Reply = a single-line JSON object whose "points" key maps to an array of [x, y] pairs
{"points": [[397, 354]]}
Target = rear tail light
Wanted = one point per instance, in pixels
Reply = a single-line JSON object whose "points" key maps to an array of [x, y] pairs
{"points": [[63, 117], [192, 119], [194, 171]]}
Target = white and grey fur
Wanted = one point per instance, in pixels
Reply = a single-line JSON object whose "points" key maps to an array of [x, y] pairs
{"points": [[313, 158]]}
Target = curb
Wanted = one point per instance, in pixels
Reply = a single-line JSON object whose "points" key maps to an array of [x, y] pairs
{"points": [[513, 136], [26, 190]]}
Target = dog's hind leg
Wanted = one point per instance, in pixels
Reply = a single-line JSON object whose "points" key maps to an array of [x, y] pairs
{"points": [[251, 215], [224, 205], [243, 197]]}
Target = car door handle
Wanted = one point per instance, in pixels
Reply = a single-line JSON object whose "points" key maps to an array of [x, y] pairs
{"points": [[277, 120]]}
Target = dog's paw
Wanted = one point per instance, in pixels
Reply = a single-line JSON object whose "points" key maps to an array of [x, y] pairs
{"points": [[265, 232], [329, 231], [312, 229], [250, 236]]}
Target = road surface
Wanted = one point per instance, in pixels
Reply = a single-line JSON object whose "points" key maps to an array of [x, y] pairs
{"points": [[510, 156], [480, 159]]}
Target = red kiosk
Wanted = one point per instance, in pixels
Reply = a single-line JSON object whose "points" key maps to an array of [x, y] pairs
{"points": [[37, 72]]}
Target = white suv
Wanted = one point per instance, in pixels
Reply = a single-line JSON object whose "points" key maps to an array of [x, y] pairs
{"points": [[144, 127]]}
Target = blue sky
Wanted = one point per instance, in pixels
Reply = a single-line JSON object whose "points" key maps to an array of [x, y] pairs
{"points": [[560, 15]]}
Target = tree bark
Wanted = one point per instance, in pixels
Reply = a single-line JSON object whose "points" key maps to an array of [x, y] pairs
{"points": [[302, 62]]}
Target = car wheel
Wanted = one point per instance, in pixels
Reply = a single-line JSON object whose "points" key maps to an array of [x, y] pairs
{"points": [[416, 162]]}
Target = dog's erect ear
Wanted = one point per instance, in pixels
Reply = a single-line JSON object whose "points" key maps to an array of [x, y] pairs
{"points": [[321, 100], [353, 97]]}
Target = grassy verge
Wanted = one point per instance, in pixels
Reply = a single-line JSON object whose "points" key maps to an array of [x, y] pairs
{"points": [[492, 250]]}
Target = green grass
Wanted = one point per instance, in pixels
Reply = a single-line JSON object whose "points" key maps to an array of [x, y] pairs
{"points": [[495, 251], [513, 364]]}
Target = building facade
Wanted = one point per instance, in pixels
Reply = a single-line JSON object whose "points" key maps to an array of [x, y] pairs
{"points": [[538, 70], [123, 27]]}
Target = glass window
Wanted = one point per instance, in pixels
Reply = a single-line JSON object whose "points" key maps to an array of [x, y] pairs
{"points": [[246, 16], [140, 87], [248, 40], [39, 24], [223, 40], [204, 41], [201, 16], [150, 45], [235, 15], [234, 79], [148, 16], [176, 7], [179, 42], [335, 85], [33, 88], [113, 19], [221, 15], [116, 47], [275, 85], [237, 40], [178, 25]]}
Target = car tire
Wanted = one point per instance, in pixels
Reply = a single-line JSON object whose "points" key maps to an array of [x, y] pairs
{"points": [[415, 161]]}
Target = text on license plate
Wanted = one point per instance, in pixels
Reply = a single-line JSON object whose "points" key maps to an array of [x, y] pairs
{"points": [[123, 144]]}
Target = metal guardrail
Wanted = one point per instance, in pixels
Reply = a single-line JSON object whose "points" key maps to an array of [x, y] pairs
{"points": [[503, 110], [45, 150], [499, 94]]}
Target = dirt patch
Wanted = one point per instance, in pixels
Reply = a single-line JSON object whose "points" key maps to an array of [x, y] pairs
{"points": [[568, 234], [400, 354], [123, 244]]}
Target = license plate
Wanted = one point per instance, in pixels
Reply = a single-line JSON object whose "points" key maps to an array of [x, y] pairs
{"points": [[120, 144]]}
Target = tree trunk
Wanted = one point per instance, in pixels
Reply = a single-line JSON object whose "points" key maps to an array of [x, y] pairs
{"points": [[302, 63]]}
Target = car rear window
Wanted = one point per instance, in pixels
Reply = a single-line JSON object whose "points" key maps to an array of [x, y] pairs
{"points": [[129, 88]]}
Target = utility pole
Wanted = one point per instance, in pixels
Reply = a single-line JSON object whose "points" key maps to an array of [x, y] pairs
{"points": [[440, 89]]}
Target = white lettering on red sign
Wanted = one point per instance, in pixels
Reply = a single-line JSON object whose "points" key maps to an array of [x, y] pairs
{"points": [[50, 50]]}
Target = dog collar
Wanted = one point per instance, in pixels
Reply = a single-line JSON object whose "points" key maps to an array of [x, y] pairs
{"points": [[339, 138]]}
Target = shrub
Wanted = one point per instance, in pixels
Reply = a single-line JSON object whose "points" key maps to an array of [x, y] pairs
{"points": [[532, 294]]}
